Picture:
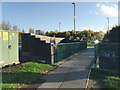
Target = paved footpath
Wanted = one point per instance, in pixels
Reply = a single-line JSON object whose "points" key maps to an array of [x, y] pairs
{"points": [[71, 74]]}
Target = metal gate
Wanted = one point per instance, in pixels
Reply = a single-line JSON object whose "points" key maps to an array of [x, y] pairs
{"points": [[8, 47]]}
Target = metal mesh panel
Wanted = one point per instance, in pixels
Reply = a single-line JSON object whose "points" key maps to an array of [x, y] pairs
{"points": [[95, 53], [64, 50], [108, 54]]}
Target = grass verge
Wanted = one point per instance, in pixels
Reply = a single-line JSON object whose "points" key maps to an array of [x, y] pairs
{"points": [[90, 45], [112, 82], [105, 78], [28, 72]]}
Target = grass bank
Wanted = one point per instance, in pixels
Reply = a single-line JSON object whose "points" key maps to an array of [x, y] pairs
{"points": [[28, 72], [107, 79]]}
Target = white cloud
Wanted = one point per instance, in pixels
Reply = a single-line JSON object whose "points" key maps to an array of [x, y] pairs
{"points": [[88, 28], [91, 26], [109, 10], [97, 5], [85, 28], [107, 2]]}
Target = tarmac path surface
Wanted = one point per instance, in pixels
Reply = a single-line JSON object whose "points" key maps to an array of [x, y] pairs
{"points": [[72, 73]]}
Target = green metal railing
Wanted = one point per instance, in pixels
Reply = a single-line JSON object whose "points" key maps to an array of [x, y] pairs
{"points": [[64, 50], [109, 56], [96, 47]]}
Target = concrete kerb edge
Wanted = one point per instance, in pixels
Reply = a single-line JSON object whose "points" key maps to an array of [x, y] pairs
{"points": [[68, 58], [88, 78], [87, 81]]}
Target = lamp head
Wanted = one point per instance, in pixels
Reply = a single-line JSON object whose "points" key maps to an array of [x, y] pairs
{"points": [[73, 3]]}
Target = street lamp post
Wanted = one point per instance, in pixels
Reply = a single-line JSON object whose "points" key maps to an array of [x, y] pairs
{"points": [[74, 15], [108, 23], [59, 26]]}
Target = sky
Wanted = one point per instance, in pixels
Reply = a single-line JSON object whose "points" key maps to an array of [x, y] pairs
{"points": [[47, 15]]}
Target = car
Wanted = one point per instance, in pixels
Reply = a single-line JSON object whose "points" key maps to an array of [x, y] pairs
{"points": [[95, 41]]}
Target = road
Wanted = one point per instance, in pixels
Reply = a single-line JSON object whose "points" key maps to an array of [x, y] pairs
{"points": [[71, 74]]}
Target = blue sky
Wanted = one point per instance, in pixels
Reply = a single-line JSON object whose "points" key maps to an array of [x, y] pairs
{"points": [[47, 15]]}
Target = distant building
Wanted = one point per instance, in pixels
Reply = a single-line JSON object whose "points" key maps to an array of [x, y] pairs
{"points": [[38, 32]]}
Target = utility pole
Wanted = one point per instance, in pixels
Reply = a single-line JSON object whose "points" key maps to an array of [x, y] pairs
{"points": [[74, 15], [108, 23], [59, 26]]}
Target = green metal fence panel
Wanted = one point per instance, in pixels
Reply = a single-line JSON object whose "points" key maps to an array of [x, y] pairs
{"points": [[109, 56], [96, 46], [9, 47], [64, 50]]}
